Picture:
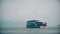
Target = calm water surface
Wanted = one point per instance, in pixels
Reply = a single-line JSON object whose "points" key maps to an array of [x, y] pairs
{"points": [[30, 30]]}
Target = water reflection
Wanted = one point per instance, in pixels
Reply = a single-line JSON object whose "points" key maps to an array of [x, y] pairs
{"points": [[30, 31]]}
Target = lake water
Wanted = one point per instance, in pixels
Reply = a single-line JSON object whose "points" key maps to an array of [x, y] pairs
{"points": [[22, 30]]}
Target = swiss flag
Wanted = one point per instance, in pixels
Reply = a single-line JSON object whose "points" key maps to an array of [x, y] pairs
{"points": [[45, 23]]}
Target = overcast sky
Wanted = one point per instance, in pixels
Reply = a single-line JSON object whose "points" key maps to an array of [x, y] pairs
{"points": [[15, 13]]}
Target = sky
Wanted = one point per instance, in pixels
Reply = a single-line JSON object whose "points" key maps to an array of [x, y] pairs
{"points": [[15, 13]]}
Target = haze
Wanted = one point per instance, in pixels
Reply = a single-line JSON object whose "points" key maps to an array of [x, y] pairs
{"points": [[15, 13]]}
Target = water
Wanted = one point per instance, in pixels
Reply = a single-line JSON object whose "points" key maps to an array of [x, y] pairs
{"points": [[22, 30]]}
